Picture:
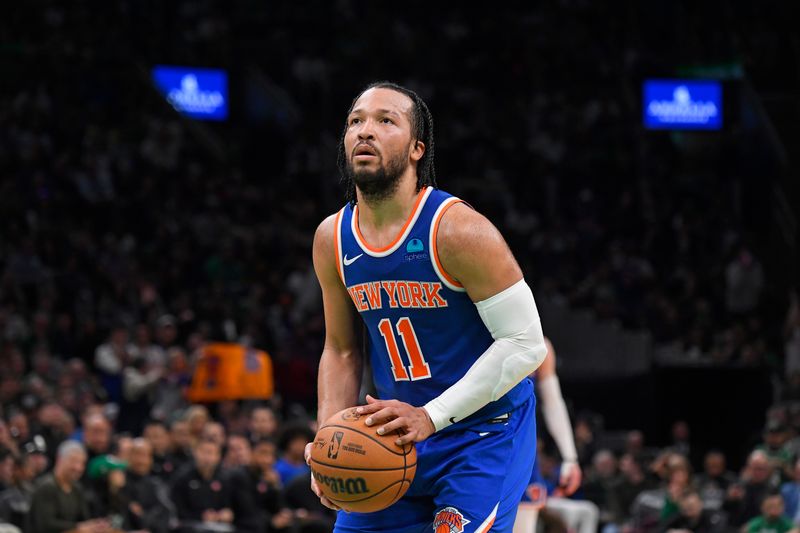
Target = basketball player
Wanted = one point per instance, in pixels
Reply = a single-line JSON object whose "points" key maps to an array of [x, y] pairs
{"points": [[556, 418], [452, 327]]}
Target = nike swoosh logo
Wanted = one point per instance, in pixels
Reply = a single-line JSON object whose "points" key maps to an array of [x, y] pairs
{"points": [[483, 434], [348, 262], [452, 420]]}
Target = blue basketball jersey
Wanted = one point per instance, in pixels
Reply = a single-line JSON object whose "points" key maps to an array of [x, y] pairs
{"points": [[424, 332]]}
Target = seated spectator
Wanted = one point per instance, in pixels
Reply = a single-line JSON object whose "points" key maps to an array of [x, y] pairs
{"points": [[653, 507], [776, 437], [139, 382], [743, 501], [601, 483], [181, 439], [692, 517], [36, 451], [632, 482], [121, 447], [238, 452], [53, 428], [106, 479], [204, 493], [59, 504], [111, 358], [262, 424], [157, 436], [197, 416], [15, 502], [265, 486], [790, 492], [713, 483], [143, 347], [681, 438], [292, 444], [635, 445], [214, 431], [678, 484], [584, 441], [771, 519], [169, 395], [96, 435], [148, 501]]}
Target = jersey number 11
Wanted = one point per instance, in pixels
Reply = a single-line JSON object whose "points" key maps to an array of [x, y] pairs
{"points": [[419, 369]]}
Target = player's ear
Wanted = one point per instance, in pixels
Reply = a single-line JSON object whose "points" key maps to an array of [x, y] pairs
{"points": [[417, 150]]}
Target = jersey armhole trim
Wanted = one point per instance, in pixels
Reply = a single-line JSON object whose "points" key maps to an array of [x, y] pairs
{"points": [[337, 245], [449, 281]]}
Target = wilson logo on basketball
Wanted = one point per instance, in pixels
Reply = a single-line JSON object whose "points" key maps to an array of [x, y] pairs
{"points": [[339, 485], [449, 520], [336, 442]]}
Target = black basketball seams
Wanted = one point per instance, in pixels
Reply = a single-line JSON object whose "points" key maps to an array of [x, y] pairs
{"points": [[343, 467], [371, 437]]}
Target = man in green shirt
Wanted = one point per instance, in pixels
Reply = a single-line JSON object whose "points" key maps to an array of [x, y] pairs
{"points": [[59, 504], [771, 519]]}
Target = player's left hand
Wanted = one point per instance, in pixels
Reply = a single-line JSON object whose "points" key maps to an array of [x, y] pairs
{"points": [[571, 476], [390, 415]]}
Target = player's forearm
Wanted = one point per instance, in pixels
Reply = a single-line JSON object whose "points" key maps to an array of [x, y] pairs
{"points": [[556, 416], [519, 348], [339, 381]]}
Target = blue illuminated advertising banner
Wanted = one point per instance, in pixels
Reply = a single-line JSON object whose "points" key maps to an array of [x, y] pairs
{"points": [[199, 93], [682, 104]]}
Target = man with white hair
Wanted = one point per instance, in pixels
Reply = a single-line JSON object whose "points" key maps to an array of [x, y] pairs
{"points": [[59, 503], [743, 500]]}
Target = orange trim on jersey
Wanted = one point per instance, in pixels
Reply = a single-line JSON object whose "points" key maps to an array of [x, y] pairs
{"points": [[435, 246], [488, 527], [400, 234], [337, 227]]}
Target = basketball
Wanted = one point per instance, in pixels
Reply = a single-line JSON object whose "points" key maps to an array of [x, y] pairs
{"points": [[356, 468]]}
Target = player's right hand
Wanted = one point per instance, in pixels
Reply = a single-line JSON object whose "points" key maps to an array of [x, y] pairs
{"points": [[571, 477], [315, 487]]}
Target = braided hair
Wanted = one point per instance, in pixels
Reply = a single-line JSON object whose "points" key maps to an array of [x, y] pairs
{"points": [[421, 130]]}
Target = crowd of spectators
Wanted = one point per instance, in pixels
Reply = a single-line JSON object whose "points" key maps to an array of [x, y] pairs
{"points": [[242, 470], [639, 488], [127, 243]]}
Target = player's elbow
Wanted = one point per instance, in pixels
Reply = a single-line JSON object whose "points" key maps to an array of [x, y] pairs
{"points": [[532, 346], [531, 355], [535, 355], [524, 358]]}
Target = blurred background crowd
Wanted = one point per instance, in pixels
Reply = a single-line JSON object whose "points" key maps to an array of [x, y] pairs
{"points": [[131, 237]]}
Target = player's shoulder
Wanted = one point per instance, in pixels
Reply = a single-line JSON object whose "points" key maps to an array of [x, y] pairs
{"points": [[326, 230], [325, 240], [472, 251], [462, 229]]}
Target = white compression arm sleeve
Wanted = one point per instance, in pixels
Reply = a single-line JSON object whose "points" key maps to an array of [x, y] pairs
{"points": [[556, 416], [518, 349]]}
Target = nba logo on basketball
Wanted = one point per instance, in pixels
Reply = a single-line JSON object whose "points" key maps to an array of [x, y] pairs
{"points": [[449, 520], [336, 442]]}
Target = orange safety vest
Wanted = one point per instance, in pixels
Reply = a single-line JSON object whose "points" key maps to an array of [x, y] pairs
{"points": [[227, 371]]}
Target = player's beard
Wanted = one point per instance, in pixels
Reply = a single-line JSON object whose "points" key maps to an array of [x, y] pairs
{"points": [[379, 184]]}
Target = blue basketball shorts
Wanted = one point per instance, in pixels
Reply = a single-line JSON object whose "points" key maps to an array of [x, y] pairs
{"points": [[536, 491], [467, 480]]}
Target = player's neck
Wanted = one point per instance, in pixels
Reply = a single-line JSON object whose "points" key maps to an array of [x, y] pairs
{"points": [[385, 212]]}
